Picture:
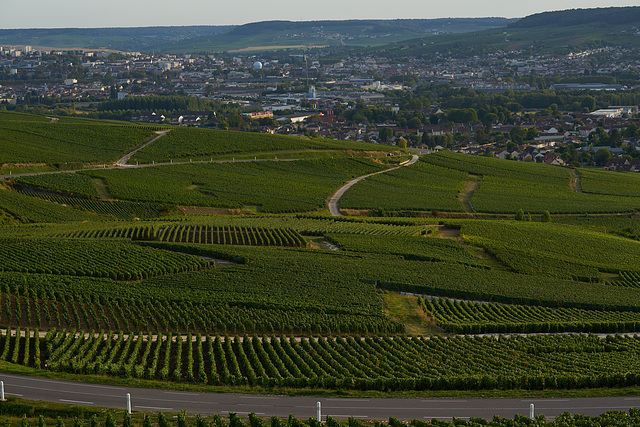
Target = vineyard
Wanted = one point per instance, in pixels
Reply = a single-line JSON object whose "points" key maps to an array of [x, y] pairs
{"points": [[369, 363], [516, 243], [466, 317], [202, 144], [67, 183], [114, 259], [233, 273], [413, 248], [38, 141], [422, 187], [273, 186], [112, 208], [30, 209], [305, 225], [508, 186]]}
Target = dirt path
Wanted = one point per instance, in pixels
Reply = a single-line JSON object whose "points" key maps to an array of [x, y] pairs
{"points": [[123, 161], [102, 188], [334, 200], [575, 184], [464, 196], [405, 309]]}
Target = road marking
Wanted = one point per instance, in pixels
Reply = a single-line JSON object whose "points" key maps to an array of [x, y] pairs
{"points": [[447, 417], [347, 416], [186, 393], [545, 400], [350, 400], [258, 397], [14, 394], [84, 393], [254, 404], [445, 401], [240, 412], [58, 382], [76, 401], [154, 407]]}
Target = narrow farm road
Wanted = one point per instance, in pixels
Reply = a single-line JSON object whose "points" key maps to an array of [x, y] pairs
{"points": [[150, 166], [575, 183], [334, 200], [301, 407], [464, 197], [123, 161]]}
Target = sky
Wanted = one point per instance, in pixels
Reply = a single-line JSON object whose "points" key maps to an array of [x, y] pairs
{"points": [[145, 13]]}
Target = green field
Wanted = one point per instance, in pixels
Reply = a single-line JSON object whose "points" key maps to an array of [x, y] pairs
{"points": [[507, 186], [371, 363], [423, 187], [274, 186], [201, 144], [244, 255], [35, 139]]}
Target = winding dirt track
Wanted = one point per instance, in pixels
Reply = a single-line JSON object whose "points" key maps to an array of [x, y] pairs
{"points": [[334, 200]]}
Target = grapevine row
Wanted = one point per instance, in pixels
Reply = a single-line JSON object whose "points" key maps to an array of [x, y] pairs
{"points": [[370, 363]]}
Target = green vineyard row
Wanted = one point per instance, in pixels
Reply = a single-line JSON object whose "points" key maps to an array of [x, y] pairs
{"points": [[200, 234], [370, 363], [111, 208], [465, 317]]}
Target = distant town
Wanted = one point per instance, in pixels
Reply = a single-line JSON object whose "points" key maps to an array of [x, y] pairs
{"points": [[489, 105]]}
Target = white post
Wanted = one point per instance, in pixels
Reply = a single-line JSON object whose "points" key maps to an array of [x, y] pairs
{"points": [[319, 412], [2, 391], [531, 411], [129, 403]]}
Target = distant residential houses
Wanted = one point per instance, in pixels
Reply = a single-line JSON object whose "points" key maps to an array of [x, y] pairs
{"points": [[622, 164], [185, 118]]}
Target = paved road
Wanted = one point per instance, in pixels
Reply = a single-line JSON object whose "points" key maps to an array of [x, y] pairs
{"points": [[335, 198], [300, 406]]}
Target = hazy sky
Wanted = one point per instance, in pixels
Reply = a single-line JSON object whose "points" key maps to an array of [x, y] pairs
{"points": [[143, 13]]}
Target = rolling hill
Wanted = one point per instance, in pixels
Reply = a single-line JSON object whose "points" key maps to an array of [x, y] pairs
{"points": [[547, 32]]}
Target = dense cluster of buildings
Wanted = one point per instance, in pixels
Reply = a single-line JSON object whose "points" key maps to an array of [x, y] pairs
{"points": [[299, 92]]}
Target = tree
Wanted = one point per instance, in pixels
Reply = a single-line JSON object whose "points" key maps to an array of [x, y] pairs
{"points": [[615, 138], [546, 216], [518, 134], [588, 103], [402, 143], [602, 156], [385, 134], [414, 123], [519, 215]]}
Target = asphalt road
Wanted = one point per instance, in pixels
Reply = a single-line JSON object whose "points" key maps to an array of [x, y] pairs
{"points": [[301, 407]]}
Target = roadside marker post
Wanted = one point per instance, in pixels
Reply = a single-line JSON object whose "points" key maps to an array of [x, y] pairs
{"points": [[531, 411], [129, 403], [319, 412], [2, 399]]}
